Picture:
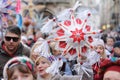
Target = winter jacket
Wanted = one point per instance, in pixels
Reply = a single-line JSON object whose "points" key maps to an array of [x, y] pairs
{"points": [[4, 56]]}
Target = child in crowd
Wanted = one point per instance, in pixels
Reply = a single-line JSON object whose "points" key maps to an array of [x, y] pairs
{"points": [[19, 68]]}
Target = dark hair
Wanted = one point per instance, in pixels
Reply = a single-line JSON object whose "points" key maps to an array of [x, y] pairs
{"points": [[14, 29], [103, 37], [21, 68], [110, 37]]}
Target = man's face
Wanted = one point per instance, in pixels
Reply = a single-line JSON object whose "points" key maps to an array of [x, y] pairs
{"points": [[11, 41], [110, 41]]}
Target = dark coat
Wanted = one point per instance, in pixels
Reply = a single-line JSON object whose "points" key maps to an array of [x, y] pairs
{"points": [[4, 56]]}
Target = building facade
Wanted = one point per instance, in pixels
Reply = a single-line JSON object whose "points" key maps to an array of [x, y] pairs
{"points": [[108, 10]]}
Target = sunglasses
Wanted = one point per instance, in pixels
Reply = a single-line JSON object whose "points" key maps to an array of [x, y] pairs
{"points": [[15, 39]]}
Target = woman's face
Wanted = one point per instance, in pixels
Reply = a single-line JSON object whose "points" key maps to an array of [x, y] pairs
{"points": [[99, 49], [17, 75], [42, 64], [111, 75]]}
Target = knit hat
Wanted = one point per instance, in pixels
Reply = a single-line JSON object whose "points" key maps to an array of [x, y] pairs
{"points": [[15, 61], [116, 44], [97, 42]]}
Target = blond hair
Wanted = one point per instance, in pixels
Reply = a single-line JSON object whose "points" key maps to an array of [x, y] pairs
{"points": [[33, 50], [40, 58]]}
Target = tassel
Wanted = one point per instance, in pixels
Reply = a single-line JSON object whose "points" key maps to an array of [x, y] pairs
{"points": [[93, 57], [47, 28], [54, 68], [43, 49]]}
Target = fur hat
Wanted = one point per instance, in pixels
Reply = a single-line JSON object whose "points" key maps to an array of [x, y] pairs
{"points": [[18, 60]]}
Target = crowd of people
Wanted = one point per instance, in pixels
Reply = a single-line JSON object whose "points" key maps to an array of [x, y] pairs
{"points": [[19, 61], [31, 54]]}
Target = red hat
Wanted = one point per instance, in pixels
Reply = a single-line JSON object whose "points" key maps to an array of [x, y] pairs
{"points": [[113, 68]]}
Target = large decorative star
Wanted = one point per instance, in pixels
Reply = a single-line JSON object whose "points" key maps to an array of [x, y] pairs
{"points": [[74, 33]]}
